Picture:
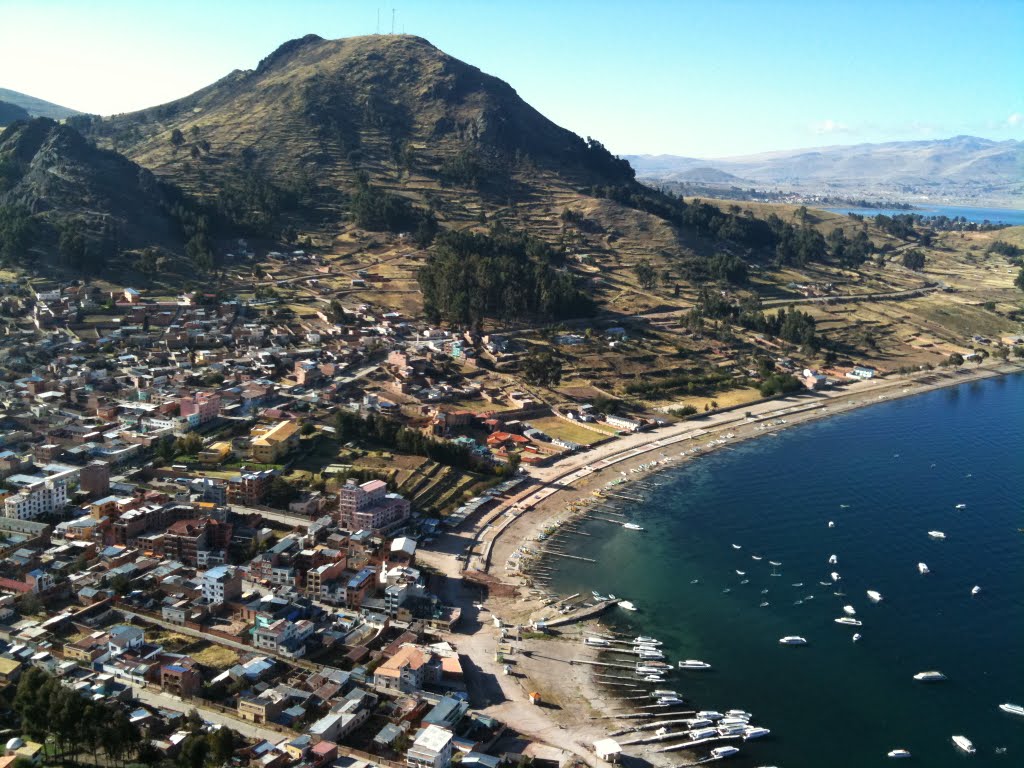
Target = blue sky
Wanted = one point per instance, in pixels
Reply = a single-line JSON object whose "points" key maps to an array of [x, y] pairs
{"points": [[707, 79]]}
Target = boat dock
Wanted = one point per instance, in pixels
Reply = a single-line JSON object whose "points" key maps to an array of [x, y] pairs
{"points": [[587, 613]]}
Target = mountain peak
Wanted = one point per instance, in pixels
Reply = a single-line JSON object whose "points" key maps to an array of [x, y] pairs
{"points": [[286, 50]]}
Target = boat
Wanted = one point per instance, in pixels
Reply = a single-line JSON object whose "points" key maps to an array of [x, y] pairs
{"points": [[898, 753], [874, 597], [597, 642], [698, 734], [849, 610], [710, 714], [753, 732], [693, 664], [856, 636], [632, 527], [792, 640], [745, 581], [961, 506], [797, 584], [653, 679], [739, 713], [825, 583], [937, 534], [849, 621], [644, 640], [923, 568], [965, 744], [736, 546], [772, 562], [719, 752], [975, 590], [764, 591], [649, 654], [832, 560], [765, 604], [929, 677], [835, 576], [756, 557], [1013, 709], [695, 581], [663, 692], [741, 573], [831, 524], [627, 605]]}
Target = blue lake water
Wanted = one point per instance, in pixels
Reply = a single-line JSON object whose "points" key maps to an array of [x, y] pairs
{"points": [[1010, 216], [900, 468]]}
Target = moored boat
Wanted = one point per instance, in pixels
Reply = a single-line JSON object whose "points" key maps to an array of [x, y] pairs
{"points": [[849, 621], [923, 569], [931, 676], [1013, 709], [719, 752], [792, 640], [874, 597], [965, 744], [899, 753], [693, 664]]}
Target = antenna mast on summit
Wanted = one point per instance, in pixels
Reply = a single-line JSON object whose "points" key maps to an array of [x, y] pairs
{"points": [[392, 21], [378, 21]]}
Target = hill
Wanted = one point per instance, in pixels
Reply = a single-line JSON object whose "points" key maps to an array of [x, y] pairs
{"points": [[66, 203], [964, 166], [318, 115], [36, 107], [9, 113]]}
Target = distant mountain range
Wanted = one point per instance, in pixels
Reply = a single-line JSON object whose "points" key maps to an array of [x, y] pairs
{"points": [[33, 106], [965, 167]]}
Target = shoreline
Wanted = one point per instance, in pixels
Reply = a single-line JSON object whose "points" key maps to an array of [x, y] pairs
{"points": [[570, 494]]}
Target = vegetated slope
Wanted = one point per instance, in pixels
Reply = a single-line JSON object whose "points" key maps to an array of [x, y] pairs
{"points": [[9, 113], [36, 107], [963, 161], [317, 113], [54, 183]]}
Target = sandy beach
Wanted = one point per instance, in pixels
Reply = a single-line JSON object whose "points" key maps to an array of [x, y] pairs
{"points": [[578, 706]]}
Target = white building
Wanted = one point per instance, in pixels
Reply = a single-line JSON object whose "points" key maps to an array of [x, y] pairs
{"points": [[42, 498], [431, 749]]}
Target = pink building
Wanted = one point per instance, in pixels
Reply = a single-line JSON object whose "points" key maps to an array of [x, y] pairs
{"points": [[369, 507], [205, 404]]}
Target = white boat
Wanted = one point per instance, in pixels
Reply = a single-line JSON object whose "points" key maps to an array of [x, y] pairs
{"points": [[626, 605], [597, 642], [792, 640], [937, 534], [832, 560], [975, 590], [831, 524], [856, 636], [772, 562], [649, 654], [719, 752], [1013, 709], [663, 692], [965, 744], [710, 714], [653, 679], [741, 573], [923, 568], [693, 664], [835, 576], [931, 676], [765, 604], [899, 753], [756, 557], [849, 610], [874, 597], [739, 713], [961, 506], [753, 732], [698, 734], [849, 621], [736, 546], [643, 640], [632, 527]]}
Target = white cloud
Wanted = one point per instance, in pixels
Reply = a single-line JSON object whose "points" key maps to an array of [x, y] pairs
{"points": [[1015, 120], [830, 126]]}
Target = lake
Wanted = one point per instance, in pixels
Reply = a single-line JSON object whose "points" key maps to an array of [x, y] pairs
{"points": [[1010, 216], [885, 476]]}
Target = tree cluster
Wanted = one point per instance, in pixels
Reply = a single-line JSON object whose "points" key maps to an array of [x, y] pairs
{"points": [[542, 369], [504, 275], [381, 211]]}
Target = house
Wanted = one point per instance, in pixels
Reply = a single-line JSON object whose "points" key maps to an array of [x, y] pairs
{"points": [[608, 750], [862, 372], [181, 678], [447, 713], [432, 748], [621, 422], [269, 445], [408, 670], [259, 709]]}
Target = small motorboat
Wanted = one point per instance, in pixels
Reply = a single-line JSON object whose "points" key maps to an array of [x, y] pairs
{"points": [[693, 664], [832, 560], [792, 640], [936, 534], [627, 605], [831, 524], [923, 569], [899, 753], [1012, 709], [856, 636], [929, 677], [975, 590], [874, 597], [965, 744], [849, 610], [736, 546], [848, 621]]}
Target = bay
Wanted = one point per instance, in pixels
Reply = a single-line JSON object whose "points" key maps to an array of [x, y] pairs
{"points": [[1008, 216], [885, 475]]}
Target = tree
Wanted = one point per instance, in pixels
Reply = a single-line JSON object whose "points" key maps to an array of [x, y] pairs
{"points": [[222, 744], [281, 493], [542, 369], [177, 138], [955, 359], [645, 274], [1019, 281], [913, 259], [308, 428]]}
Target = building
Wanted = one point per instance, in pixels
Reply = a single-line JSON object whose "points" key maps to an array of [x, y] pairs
{"points": [[249, 487], [270, 445], [432, 748], [95, 479], [44, 497], [408, 670], [622, 423], [369, 507], [221, 584], [201, 407], [181, 678], [259, 709]]}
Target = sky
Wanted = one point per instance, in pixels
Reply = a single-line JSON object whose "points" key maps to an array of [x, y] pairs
{"points": [[704, 79]]}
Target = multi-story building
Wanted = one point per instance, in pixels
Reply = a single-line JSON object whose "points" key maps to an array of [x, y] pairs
{"points": [[221, 584], [203, 407], [249, 487], [181, 678], [369, 507], [432, 748], [283, 636], [408, 670], [271, 445], [95, 479], [44, 497]]}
